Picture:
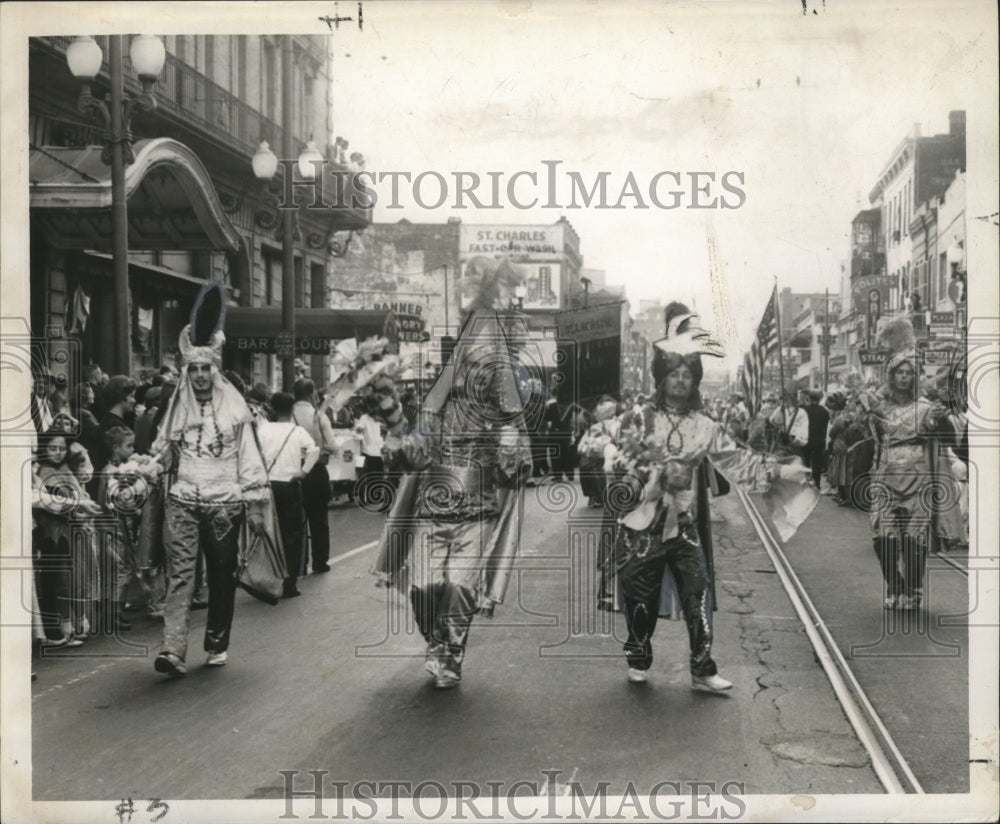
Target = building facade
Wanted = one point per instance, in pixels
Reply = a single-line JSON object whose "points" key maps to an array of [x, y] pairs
{"points": [[195, 210]]}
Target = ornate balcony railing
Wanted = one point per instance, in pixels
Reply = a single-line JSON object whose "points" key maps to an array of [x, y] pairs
{"points": [[184, 92]]}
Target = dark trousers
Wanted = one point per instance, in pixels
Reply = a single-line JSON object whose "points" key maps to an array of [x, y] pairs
{"points": [[288, 505], [903, 559], [642, 576], [315, 497], [815, 459], [53, 570], [561, 454]]}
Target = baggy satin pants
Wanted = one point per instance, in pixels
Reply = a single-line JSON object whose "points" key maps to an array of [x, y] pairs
{"points": [[446, 569], [217, 530]]}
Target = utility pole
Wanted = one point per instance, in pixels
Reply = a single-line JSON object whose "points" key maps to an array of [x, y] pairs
{"points": [[288, 225], [826, 341]]}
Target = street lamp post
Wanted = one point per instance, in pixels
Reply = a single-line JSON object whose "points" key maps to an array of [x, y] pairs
{"points": [[265, 166], [114, 113]]}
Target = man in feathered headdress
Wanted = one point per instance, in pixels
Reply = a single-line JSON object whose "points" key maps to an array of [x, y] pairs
{"points": [[660, 502], [218, 479], [454, 528]]}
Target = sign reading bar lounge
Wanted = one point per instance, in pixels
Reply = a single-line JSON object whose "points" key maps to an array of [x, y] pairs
{"points": [[258, 330]]}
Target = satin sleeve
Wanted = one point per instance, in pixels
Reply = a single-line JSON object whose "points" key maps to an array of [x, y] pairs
{"points": [[754, 471]]}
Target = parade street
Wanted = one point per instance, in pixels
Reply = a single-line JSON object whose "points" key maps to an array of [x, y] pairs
{"points": [[334, 681]]}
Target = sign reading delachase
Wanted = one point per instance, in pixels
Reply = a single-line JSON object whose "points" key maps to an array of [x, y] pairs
{"points": [[590, 324]]}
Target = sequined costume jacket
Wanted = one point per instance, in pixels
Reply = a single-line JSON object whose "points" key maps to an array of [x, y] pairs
{"points": [[216, 461], [908, 476], [656, 456]]}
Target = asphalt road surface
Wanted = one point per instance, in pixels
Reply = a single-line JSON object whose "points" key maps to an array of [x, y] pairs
{"points": [[334, 681]]}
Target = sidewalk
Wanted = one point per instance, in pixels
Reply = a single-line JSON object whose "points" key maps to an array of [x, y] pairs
{"points": [[914, 667]]}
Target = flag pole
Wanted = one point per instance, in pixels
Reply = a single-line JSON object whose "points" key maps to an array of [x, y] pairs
{"points": [[781, 359]]}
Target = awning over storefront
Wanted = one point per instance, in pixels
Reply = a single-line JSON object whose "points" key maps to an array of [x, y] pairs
{"points": [[259, 329], [172, 203]]}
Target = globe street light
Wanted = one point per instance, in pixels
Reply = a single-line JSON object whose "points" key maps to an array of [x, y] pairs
{"points": [[114, 113]]}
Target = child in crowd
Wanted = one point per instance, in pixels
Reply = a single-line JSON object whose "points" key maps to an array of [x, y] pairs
{"points": [[123, 490], [68, 576]]}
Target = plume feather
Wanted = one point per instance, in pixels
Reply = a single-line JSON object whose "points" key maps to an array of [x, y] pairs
{"points": [[693, 340]]}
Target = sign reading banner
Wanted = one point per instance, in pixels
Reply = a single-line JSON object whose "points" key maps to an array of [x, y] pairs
{"points": [[409, 318]]}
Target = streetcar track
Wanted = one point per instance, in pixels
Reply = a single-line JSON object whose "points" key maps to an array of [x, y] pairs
{"points": [[956, 565], [887, 761]]}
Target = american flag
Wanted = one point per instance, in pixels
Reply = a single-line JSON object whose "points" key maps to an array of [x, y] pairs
{"points": [[764, 343]]}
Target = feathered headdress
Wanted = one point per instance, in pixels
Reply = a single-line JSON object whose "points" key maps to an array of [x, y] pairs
{"points": [[685, 337], [897, 338], [202, 339], [685, 342]]}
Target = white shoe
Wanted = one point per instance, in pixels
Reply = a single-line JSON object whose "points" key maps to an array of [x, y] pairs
{"points": [[710, 683], [445, 681], [217, 659], [636, 676]]}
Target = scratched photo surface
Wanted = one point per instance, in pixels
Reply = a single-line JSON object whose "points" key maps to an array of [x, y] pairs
{"points": [[512, 194]]}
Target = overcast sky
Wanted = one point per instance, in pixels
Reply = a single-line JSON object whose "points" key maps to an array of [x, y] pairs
{"points": [[808, 108], [643, 88]]}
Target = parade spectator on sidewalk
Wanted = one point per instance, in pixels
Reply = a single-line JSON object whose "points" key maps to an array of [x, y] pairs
{"points": [[124, 489], [119, 410], [289, 454], [819, 420], [791, 423], [560, 438], [762, 435], [40, 404], [257, 400], [659, 450], [66, 573], [369, 429], [144, 422], [840, 420], [219, 481], [81, 407], [316, 484], [591, 449]]}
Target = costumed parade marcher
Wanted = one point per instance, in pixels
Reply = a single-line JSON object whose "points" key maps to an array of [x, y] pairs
{"points": [[217, 485], [910, 430], [659, 452], [454, 527]]}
